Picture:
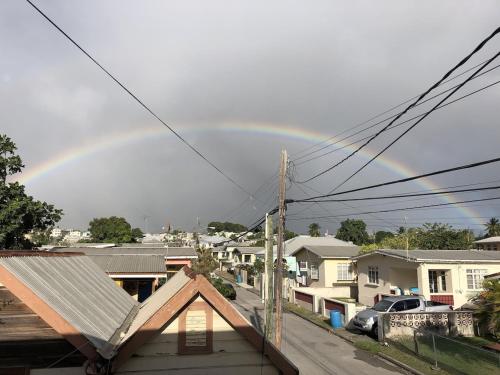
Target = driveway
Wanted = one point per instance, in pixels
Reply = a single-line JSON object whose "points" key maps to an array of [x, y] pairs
{"points": [[313, 350]]}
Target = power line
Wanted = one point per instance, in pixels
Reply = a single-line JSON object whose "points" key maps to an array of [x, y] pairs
{"points": [[407, 179], [182, 139], [390, 117], [396, 209], [401, 195], [383, 113], [463, 61], [415, 124], [395, 125]]}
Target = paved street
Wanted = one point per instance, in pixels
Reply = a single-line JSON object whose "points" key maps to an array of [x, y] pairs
{"points": [[312, 349]]}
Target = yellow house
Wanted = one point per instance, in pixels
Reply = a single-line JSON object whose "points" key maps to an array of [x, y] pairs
{"points": [[448, 276], [327, 267], [245, 254]]}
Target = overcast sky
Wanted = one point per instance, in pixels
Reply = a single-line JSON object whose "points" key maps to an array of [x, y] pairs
{"points": [[240, 80]]}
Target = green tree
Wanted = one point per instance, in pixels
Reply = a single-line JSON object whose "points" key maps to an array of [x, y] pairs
{"points": [[381, 235], [314, 230], [492, 227], [19, 213], [111, 230], [353, 230], [136, 234], [259, 266], [205, 264], [488, 302], [216, 226]]}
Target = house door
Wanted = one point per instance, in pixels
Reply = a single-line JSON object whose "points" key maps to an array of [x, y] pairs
{"points": [[145, 290]]}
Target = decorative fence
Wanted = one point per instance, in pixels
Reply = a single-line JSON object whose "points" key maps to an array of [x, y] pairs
{"points": [[448, 353], [452, 323]]}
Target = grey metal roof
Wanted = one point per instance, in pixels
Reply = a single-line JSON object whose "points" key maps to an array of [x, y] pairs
{"points": [[331, 251], [79, 291], [489, 240], [130, 263], [165, 251], [440, 256], [249, 249], [151, 305]]}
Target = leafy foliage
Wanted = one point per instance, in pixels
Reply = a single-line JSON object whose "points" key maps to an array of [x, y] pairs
{"points": [[113, 230], [353, 230], [489, 307], [216, 226], [223, 288], [382, 235], [205, 264], [314, 230], [258, 266], [19, 212], [493, 227], [431, 236]]}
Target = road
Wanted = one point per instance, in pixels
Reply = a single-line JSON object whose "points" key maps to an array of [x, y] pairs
{"points": [[313, 350]]}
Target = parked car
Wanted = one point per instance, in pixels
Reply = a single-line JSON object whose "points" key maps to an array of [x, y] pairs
{"points": [[367, 320]]}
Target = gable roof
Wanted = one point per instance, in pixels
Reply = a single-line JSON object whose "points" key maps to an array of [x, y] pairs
{"points": [[154, 264], [248, 249], [295, 243], [70, 292], [333, 252], [440, 256], [169, 252], [164, 306], [489, 240]]}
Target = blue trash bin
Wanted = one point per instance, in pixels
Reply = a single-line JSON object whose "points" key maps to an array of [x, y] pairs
{"points": [[336, 319], [238, 279]]}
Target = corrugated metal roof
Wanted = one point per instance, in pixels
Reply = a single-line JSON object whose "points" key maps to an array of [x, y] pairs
{"points": [[489, 240], [165, 251], [130, 263], [79, 291], [150, 306], [331, 251]]}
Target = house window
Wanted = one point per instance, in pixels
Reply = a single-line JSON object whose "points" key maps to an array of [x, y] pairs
{"points": [[302, 266], [437, 281], [344, 271], [248, 258], [475, 279], [373, 274], [433, 283], [314, 271]]}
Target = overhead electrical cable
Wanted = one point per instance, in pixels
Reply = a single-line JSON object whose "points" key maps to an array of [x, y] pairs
{"points": [[395, 125], [411, 127], [407, 179], [141, 103], [462, 62], [397, 209], [444, 192], [382, 113]]}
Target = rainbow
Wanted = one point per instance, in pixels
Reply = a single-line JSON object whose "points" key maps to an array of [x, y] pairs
{"points": [[120, 139]]}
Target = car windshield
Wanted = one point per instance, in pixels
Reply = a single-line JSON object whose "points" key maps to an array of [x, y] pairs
{"points": [[382, 305]]}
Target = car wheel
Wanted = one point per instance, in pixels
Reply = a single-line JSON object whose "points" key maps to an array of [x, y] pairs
{"points": [[374, 330]]}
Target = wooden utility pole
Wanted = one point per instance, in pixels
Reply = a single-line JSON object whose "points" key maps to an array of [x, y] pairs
{"points": [[278, 280], [268, 279]]}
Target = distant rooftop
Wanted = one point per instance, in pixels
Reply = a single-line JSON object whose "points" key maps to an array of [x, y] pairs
{"points": [[169, 252], [440, 256], [249, 249], [154, 264], [489, 240], [326, 252]]}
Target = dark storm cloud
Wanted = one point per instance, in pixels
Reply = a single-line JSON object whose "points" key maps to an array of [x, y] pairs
{"points": [[321, 67]]}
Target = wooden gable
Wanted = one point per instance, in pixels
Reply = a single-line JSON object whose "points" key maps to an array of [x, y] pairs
{"points": [[26, 340]]}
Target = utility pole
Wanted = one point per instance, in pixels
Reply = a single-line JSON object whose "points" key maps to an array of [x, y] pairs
{"points": [[268, 279], [278, 280]]}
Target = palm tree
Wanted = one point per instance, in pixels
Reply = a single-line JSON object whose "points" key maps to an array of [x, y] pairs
{"points": [[314, 230], [493, 227], [488, 303]]}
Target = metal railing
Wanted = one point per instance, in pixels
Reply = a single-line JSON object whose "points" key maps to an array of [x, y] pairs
{"points": [[448, 353]]}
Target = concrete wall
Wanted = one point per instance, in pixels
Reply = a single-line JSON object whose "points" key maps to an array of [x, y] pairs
{"points": [[347, 309], [231, 354], [451, 323], [368, 291], [331, 274]]}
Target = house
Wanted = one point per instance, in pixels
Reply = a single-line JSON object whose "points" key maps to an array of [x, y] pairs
{"points": [[295, 243], [139, 275], [448, 276], [245, 254], [175, 257], [328, 267], [490, 243], [186, 327]]}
